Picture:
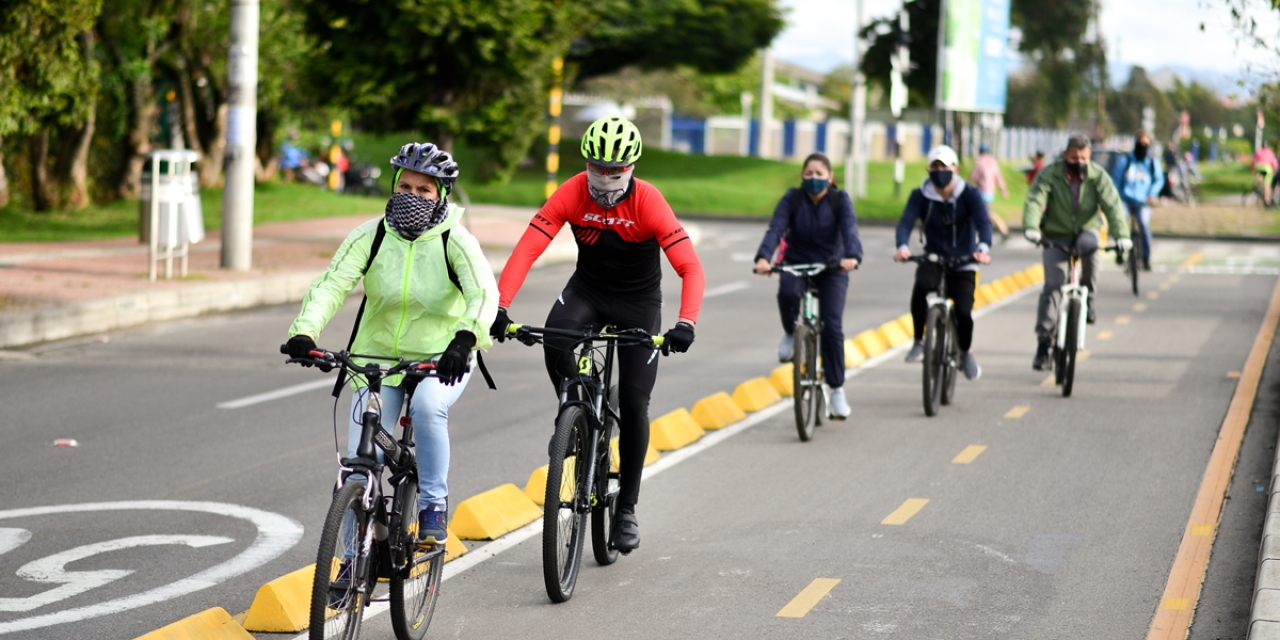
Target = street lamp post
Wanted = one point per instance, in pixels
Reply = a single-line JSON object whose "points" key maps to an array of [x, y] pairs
{"points": [[242, 116]]}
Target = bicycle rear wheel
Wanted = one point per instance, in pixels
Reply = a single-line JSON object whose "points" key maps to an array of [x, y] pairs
{"points": [[934, 359], [951, 364], [562, 522], [804, 381], [605, 508], [337, 607], [1069, 352], [415, 588]]}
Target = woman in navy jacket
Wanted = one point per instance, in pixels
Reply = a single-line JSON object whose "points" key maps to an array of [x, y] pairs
{"points": [[955, 223], [819, 225]]}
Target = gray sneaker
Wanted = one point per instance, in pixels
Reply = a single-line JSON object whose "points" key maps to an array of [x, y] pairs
{"points": [[786, 348], [916, 354], [970, 366]]}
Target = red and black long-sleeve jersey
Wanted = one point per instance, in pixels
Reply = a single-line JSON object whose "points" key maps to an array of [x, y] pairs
{"points": [[617, 248]]}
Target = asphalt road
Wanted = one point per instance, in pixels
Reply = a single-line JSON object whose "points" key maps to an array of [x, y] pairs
{"points": [[1065, 526]]}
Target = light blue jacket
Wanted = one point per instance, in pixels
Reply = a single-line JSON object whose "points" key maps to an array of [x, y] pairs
{"points": [[1136, 180]]}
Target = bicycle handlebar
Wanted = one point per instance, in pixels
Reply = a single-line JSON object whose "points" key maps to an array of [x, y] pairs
{"points": [[805, 269], [1070, 249], [946, 263], [326, 360], [532, 335]]}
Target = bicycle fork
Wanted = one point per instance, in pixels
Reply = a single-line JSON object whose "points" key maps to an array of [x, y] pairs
{"points": [[1072, 292]]}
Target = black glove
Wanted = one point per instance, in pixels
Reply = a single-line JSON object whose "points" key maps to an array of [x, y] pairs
{"points": [[678, 338], [300, 346], [498, 330], [456, 358]]}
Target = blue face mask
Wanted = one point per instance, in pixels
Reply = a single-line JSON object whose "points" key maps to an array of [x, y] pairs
{"points": [[815, 185]]}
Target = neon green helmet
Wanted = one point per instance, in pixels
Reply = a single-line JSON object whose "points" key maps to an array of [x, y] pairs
{"points": [[611, 142]]}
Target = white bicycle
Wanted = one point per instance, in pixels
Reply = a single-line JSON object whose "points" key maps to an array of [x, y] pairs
{"points": [[1073, 310]]}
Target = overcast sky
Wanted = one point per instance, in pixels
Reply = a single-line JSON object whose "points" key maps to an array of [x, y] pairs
{"points": [[1152, 33]]}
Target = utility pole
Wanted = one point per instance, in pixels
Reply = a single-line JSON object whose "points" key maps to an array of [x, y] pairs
{"points": [[901, 66], [855, 167], [242, 117], [765, 145], [553, 130]]}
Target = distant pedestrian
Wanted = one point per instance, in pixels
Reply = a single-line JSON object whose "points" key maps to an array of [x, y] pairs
{"points": [[986, 176], [1037, 163]]}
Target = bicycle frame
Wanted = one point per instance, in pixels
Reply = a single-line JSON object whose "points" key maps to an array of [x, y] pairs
{"points": [[1072, 290], [809, 307]]}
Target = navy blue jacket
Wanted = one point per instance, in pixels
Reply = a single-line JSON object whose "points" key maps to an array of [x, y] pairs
{"points": [[825, 231], [952, 228]]}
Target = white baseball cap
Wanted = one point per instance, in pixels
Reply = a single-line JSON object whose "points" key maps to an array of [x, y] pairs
{"points": [[944, 154]]}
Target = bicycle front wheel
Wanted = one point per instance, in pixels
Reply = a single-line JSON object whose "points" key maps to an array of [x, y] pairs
{"points": [[415, 587], [806, 395], [337, 606], [934, 359], [562, 520], [605, 508], [951, 365], [1135, 265], [1069, 351]]}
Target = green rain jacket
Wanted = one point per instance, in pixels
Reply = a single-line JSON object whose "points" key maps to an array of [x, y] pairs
{"points": [[413, 308], [1060, 220]]}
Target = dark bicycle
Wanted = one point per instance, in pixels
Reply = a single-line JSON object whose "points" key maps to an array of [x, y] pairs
{"points": [[941, 347], [580, 475], [808, 393], [368, 535], [1135, 259]]}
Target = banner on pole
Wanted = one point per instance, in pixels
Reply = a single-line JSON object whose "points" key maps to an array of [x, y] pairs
{"points": [[974, 62]]}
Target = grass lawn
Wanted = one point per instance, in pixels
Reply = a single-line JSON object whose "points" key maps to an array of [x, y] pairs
{"points": [[1222, 180]]}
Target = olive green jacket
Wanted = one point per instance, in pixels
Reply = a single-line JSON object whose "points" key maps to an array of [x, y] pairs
{"points": [[413, 308], [1049, 207]]}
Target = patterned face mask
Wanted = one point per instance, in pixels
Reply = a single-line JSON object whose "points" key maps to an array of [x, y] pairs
{"points": [[411, 215], [608, 190]]}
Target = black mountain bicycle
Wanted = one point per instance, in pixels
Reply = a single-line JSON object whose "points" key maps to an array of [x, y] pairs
{"points": [[808, 393], [580, 475], [941, 347], [368, 535]]}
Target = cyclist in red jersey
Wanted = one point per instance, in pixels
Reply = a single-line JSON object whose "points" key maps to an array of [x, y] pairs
{"points": [[620, 223]]}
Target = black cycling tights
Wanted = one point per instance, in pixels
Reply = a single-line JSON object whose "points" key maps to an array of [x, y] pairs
{"points": [[637, 368]]}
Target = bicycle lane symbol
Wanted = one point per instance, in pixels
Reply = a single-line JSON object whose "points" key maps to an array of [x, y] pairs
{"points": [[276, 534]]}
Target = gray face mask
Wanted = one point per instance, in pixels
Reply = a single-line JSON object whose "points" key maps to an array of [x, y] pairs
{"points": [[411, 215], [608, 191]]}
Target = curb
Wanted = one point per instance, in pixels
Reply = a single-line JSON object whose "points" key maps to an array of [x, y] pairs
{"points": [[211, 624], [506, 508]]}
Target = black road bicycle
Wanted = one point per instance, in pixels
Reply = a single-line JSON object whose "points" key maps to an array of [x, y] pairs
{"points": [[581, 478], [368, 535], [809, 395], [941, 347]]}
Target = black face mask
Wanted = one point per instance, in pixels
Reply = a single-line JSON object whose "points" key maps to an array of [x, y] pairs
{"points": [[1077, 168], [1140, 151], [941, 179]]}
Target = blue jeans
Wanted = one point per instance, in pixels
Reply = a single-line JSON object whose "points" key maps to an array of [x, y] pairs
{"points": [[1142, 213], [430, 415]]}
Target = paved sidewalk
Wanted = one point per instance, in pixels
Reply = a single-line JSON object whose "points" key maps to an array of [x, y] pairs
{"points": [[50, 291]]}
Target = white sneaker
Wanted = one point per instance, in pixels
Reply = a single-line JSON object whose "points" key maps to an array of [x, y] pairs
{"points": [[839, 404], [786, 348]]}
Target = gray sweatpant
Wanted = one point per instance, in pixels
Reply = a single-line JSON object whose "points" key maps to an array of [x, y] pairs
{"points": [[1055, 274]]}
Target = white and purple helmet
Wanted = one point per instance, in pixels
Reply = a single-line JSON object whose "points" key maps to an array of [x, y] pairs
{"points": [[430, 160]]}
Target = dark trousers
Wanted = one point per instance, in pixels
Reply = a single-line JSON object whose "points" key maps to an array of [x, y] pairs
{"points": [[960, 286], [832, 287], [637, 368]]}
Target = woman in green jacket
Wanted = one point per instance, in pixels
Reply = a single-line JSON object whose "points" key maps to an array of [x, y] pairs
{"points": [[414, 309]]}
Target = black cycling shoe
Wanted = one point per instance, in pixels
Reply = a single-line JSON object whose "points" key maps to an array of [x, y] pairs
{"points": [[626, 532], [1092, 316], [1042, 361]]}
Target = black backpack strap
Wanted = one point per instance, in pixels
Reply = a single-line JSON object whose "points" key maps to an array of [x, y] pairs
{"points": [[355, 328], [453, 277]]}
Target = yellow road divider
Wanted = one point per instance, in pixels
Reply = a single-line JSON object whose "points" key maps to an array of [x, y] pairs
{"points": [[988, 293], [783, 378], [494, 512], [755, 394], [853, 356], [871, 343], [282, 605], [717, 411], [1001, 289], [809, 598], [905, 512], [893, 334], [210, 624], [536, 488], [908, 327], [1036, 271], [1021, 280], [674, 430]]}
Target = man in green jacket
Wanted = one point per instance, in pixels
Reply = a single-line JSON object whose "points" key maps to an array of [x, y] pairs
{"points": [[414, 309], [1062, 205]]}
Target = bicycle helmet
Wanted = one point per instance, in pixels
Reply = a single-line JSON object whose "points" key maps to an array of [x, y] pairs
{"points": [[428, 159], [612, 141]]}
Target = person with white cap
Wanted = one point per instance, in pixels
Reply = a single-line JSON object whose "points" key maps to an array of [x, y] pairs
{"points": [[954, 223]]}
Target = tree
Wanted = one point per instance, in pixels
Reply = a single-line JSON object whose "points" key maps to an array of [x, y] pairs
{"points": [[711, 36], [1125, 105], [884, 35], [48, 86], [1053, 35]]}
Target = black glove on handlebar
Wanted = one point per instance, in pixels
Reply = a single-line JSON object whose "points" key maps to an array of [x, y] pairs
{"points": [[498, 330], [301, 346], [454, 361], [678, 338]]}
